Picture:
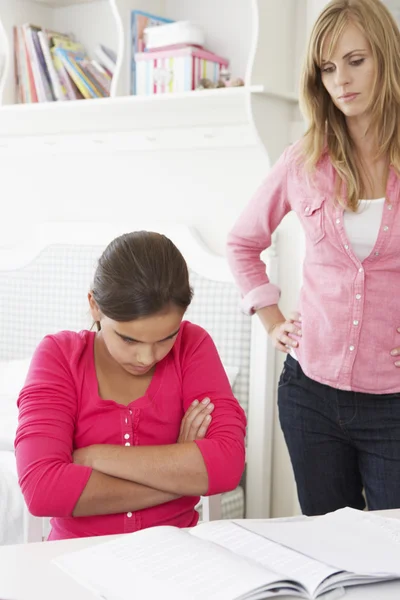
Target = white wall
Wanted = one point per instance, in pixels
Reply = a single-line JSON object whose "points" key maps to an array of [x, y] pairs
{"points": [[158, 185]]}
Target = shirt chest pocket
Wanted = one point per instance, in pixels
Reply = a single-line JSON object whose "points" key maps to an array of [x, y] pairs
{"points": [[312, 217]]}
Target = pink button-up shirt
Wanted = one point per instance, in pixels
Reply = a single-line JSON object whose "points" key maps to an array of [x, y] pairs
{"points": [[350, 309]]}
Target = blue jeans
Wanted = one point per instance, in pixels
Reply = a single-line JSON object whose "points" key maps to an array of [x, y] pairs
{"points": [[340, 443]]}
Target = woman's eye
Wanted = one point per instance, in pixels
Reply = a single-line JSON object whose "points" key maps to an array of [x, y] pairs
{"points": [[327, 70], [357, 62], [128, 341]]}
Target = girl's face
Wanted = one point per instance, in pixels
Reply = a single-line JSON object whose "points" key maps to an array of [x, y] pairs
{"points": [[138, 345], [348, 75]]}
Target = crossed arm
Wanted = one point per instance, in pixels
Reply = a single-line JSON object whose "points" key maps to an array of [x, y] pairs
{"points": [[133, 478]]}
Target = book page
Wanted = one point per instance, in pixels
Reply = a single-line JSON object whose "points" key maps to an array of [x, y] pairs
{"points": [[348, 539], [290, 564], [165, 563]]}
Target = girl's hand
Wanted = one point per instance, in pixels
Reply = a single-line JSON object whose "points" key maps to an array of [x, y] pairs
{"points": [[283, 333], [196, 421]]}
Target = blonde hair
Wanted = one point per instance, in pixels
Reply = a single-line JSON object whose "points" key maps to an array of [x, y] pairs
{"points": [[327, 130]]}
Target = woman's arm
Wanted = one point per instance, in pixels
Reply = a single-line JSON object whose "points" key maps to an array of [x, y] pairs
{"points": [[51, 484], [252, 234], [208, 466]]}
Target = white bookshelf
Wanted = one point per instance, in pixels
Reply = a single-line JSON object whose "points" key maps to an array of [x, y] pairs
{"points": [[245, 31]]}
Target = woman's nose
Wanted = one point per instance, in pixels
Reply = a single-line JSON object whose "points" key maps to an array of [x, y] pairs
{"points": [[341, 77]]}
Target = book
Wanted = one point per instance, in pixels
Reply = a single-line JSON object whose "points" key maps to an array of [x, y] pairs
{"points": [[106, 57], [18, 68], [58, 89], [223, 560], [71, 61], [140, 21]]}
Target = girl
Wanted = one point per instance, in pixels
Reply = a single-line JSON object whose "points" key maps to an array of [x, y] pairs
{"points": [[125, 428], [339, 392]]}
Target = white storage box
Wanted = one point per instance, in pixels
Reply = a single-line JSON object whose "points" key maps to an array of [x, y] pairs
{"points": [[173, 34]]}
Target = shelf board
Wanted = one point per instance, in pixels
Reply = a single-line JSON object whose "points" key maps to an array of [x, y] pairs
{"points": [[205, 108]]}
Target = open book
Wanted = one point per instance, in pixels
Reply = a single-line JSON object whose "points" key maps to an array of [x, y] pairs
{"points": [[218, 560]]}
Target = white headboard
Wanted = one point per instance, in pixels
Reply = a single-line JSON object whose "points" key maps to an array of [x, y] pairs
{"points": [[44, 279]]}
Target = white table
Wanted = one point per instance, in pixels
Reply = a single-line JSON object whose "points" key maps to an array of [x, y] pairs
{"points": [[27, 573]]}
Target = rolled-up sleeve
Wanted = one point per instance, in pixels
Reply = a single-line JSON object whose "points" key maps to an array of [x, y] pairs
{"points": [[50, 482], [223, 448], [252, 234]]}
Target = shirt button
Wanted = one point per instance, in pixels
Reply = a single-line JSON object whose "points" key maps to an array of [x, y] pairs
{"points": [[338, 221], [129, 514], [358, 296], [346, 247], [351, 348], [389, 207], [376, 253], [307, 209], [130, 412], [126, 436], [360, 270], [355, 322], [127, 444], [126, 421], [385, 228]]}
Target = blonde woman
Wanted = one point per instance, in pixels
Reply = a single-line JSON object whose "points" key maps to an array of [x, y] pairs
{"points": [[339, 392]]}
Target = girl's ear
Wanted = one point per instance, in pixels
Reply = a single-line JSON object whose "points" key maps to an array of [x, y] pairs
{"points": [[94, 309]]}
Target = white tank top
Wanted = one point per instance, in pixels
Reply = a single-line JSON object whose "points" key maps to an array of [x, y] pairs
{"points": [[362, 227]]}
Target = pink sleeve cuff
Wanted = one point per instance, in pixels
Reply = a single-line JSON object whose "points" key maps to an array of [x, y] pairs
{"points": [[264, 295]]}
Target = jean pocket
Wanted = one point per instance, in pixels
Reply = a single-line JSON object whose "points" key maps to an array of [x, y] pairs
{"points": [[313, 218], [286, 375]]}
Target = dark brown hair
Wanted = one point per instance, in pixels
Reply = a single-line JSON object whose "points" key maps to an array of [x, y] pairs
{"points": [[139, 274]]}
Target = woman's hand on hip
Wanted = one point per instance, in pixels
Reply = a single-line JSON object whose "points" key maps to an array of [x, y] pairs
{"points": [[284, 333], [396, 353], [196, 420]]}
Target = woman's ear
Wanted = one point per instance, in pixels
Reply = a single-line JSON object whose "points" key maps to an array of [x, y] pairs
{"points": [[94, 309]]}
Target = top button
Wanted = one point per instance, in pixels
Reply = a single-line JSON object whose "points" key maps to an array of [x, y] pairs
{"points": [[389, 207], [307, 209], [338, 221]]}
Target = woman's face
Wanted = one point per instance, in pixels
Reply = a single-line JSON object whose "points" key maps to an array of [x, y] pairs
{"points": [[138, 345], [348, 75]]}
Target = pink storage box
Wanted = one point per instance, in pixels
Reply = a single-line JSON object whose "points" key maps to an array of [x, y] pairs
{"points": [[175, 69]]}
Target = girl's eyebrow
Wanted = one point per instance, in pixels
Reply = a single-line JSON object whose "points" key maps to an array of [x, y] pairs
{"points": [[131, 339]]}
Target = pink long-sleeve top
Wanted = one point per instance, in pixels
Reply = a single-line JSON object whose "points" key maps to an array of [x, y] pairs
{"points": [[350, 309], [60, 410]]}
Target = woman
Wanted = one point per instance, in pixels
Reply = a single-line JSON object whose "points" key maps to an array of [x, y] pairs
{"points": [[125, 428], [339, 392]]}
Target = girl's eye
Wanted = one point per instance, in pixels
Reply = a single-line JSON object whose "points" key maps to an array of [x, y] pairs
{"points": [[327, 70], [128, 341]]}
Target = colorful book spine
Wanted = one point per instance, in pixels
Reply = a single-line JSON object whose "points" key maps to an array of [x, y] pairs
{"points": [[30, 78], [34, 61], [86, 87], [58, 90], [101, 81], [68, 85]]}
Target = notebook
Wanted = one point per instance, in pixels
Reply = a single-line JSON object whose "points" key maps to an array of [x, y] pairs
{"points": [[217, 560]]}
